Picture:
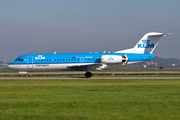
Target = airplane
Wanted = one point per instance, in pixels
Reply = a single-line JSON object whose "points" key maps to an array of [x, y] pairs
{"points": [[142, 51]]}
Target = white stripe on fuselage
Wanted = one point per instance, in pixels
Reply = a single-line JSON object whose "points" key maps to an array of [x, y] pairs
{"points": [[42, 67]]}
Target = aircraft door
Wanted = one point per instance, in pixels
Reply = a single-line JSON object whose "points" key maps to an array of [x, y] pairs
{"points": [[30, 62]]}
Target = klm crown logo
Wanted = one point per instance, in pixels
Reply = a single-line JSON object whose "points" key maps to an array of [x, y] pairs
{"points": [[146, 44], [145, 41], [110, 58]]}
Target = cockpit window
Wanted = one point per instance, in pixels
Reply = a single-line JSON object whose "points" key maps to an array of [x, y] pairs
{"points": [[19, 59]]}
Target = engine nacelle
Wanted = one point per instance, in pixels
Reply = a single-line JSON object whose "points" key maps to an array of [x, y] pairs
{"points": [[112, 59]]}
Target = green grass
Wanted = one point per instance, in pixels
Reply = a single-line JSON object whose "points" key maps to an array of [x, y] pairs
{"points": [[8, 71], [88, 99]]}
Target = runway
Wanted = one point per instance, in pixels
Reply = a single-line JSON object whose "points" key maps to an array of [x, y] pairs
{"points": [[33, 78], [98, 73]]}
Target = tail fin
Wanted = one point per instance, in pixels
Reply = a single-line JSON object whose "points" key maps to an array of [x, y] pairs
{"points": [[148, 43]]}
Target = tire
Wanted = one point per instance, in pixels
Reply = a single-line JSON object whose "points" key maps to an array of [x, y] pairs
{"points": [[88, 74], [27, 75]]}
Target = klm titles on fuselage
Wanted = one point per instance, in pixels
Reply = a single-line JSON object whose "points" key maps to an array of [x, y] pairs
{"points": [[145, 44]]}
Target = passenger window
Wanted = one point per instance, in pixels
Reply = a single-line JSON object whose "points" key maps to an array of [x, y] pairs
{"points": [[41, 60], [74, 59], [86, 59], [69, 59], [63, 59], [90, 59], [55, 60], [77, 59], [47, 59]]}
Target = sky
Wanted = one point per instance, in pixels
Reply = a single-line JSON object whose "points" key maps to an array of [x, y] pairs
{"points": [[80, 26]]}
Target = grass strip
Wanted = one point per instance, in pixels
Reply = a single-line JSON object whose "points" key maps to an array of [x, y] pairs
{"points": [[90, 99]]}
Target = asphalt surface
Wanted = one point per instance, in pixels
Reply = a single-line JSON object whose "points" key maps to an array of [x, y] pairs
{"points": [[100, 73], [29, 78]]}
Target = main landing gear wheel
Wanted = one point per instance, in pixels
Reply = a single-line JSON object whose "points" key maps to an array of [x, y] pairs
{"points": [[88, 74], [27, 75]]}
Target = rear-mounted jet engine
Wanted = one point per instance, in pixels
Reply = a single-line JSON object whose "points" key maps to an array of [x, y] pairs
{"points": [[114, 59]]}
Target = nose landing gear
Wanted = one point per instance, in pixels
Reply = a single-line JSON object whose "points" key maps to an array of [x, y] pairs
{"points": [[27, 75]]}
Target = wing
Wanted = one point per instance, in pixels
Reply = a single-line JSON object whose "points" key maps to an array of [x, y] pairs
{"points": [[84, 66], [93, 66]]}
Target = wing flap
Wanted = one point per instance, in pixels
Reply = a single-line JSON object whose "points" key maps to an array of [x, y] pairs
{"points": [[84, 67]]}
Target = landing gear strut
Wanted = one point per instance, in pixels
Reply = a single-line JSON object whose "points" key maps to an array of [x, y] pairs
{"points": [[88, 74]]}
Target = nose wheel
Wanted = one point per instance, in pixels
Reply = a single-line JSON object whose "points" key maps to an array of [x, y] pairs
{"points": [[27, 75], [88, 74]]}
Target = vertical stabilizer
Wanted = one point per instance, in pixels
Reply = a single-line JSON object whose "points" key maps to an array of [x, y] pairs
{"points": [[148, 43]]}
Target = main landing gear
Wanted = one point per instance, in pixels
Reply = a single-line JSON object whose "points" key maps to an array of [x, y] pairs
{"points": [[88, 74]]}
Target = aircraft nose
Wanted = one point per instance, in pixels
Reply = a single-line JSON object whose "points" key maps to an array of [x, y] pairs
{"points": [[9, 66], [12, 66]]}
